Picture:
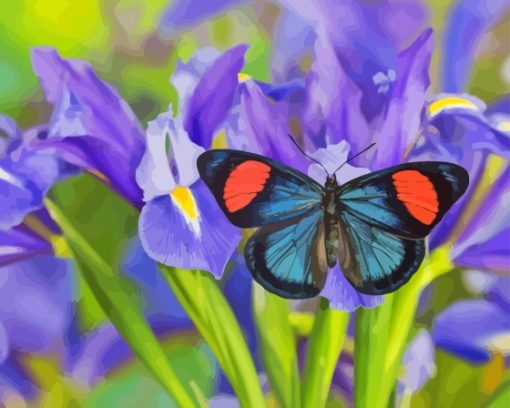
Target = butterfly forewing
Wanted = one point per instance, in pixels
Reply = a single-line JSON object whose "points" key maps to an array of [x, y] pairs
{"points": [[407, 200], [254, 191]]}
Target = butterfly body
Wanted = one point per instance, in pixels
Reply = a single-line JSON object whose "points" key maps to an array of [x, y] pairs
{"points": [[373, 226], [331, 232]]}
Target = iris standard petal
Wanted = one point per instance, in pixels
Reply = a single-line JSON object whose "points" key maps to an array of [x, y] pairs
{"points": [[153, 174], [403, 119], [332, 110], [364, 41], [467, 22], [470, 329], [213, 96], [263, 128], [169, 159], [186, 229], [91, 124], [331, 158], [343, 296]]}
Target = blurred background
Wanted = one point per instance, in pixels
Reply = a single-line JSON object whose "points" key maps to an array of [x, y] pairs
{"points": [[134, 46]]}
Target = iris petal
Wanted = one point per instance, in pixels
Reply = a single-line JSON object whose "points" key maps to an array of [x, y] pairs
{"points": [[169, 236]]}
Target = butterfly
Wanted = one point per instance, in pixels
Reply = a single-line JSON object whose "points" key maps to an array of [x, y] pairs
{"points": [[374, 225]]}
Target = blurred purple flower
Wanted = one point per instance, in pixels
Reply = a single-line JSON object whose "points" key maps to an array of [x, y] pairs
{"points": [[36, 306], [91, 127], [180, 225], [419, 364], [474, 329], [484, 243], [182, 14], [467, 22]]}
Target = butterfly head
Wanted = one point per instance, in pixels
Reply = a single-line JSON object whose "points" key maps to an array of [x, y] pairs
{"points": [[331, 183]]}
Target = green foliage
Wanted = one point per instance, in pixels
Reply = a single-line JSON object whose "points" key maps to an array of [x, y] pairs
{"points": [[205, 304], [278, 345], [117, 305], [324, 347]]}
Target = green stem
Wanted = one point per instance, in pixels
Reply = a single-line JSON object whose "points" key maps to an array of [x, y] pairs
{"points": [[206, 305], [382, 334], [324, 347], [371, 344], [118, 306]]}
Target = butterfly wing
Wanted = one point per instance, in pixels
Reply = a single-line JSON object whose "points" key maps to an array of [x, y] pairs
{"points": [[289, 258], [375, 261], [407, 200], [253, 190]]}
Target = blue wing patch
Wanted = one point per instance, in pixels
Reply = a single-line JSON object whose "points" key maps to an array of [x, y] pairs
{"points": [[374, 261], [289, 258]]}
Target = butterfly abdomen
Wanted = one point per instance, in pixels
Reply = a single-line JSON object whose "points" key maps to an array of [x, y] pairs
{"points": [[330, 221]]}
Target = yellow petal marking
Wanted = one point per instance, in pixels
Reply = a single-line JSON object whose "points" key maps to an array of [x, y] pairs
{"points": [[451, 102], [242, 77], [183, 198]]}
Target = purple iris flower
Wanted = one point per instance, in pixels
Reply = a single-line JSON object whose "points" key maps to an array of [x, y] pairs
{"points": [[91, 126], [450, 123], [180, 224], [334, 124], [362, 37], [477, 329], [26, 174]]}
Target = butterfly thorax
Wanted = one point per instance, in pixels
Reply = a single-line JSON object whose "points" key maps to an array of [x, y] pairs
{"points": [[331, 232]]}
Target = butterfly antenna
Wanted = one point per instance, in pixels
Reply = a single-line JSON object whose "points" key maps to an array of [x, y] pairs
{"points": [[353, 157], [302, 151]]}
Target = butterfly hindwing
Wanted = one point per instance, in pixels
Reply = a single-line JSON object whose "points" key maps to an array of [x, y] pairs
{"points": [[253, 190], [407, 200], [374, 261], [288, 258]]}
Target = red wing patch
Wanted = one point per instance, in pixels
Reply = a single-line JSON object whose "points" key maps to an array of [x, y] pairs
{"points": [[243, 183], [417, 193]]}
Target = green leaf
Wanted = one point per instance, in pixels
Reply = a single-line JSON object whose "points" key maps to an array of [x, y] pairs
{"points": [[278, 345], [117, 305], [324, 347], [203, 301]]}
